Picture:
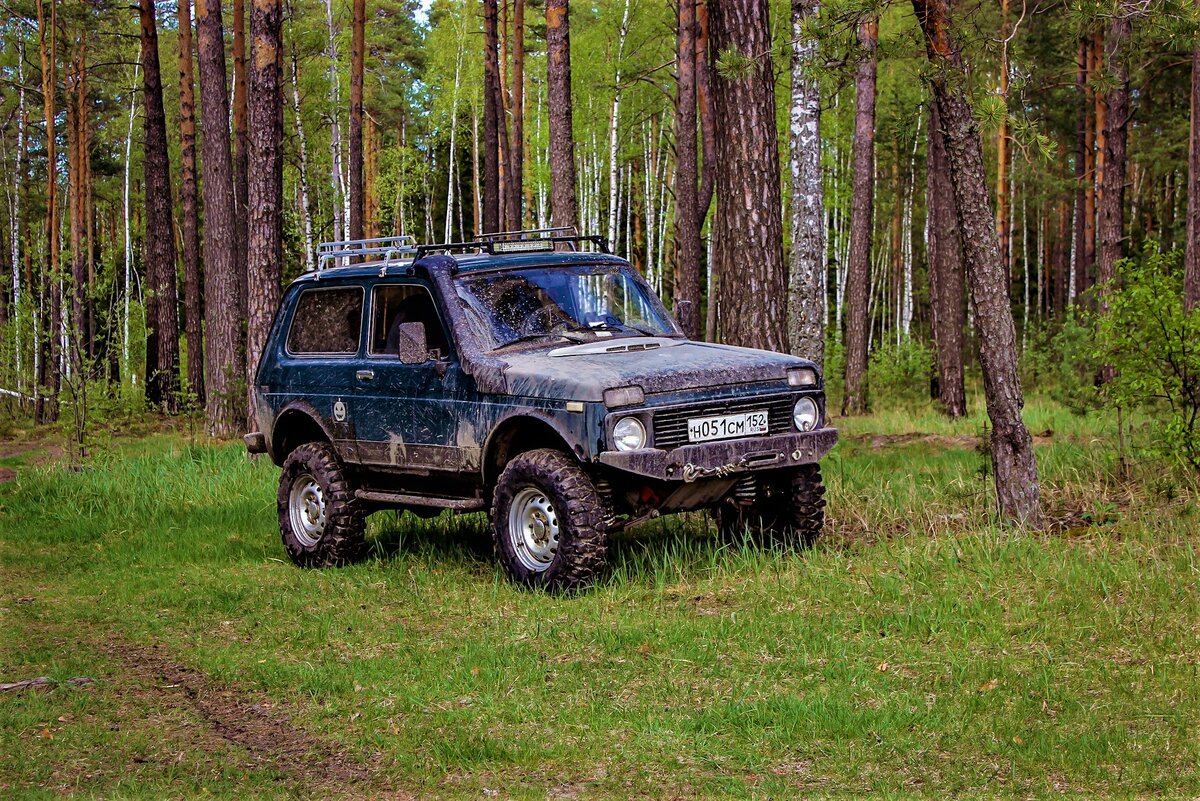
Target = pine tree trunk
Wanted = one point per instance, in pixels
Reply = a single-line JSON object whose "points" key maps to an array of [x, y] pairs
{"points": [[336, 171], [491, 118], [302, 153], [1090, 164], [224, 354], [1191, 281], [1077, 281], [516, 163], [806, 298], [1003, 201], [861, 224], [357, 57], [162, 315], [687, 206], [48, 376], [1116, 134], [190, 228], [1011, 445], [265, 191], [946, 291], [749, 219], [708, 151], [558, 86], [241, 152], [78, 158]]}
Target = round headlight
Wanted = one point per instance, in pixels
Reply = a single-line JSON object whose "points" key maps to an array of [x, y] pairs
{"points": [[805, 414], [629, 434]]}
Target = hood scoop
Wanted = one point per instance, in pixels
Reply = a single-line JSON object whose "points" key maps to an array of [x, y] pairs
{"points": [[630, 345]]}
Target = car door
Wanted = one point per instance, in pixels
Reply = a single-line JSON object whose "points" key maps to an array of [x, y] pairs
{"points": [[407, 414], [318, 357]]}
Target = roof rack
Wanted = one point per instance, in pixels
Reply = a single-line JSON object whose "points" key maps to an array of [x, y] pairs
{"points": [[533, 240], [391, 248]]}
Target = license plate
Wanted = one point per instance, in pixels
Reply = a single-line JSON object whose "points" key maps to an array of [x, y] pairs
{"points": [[727, 426]]}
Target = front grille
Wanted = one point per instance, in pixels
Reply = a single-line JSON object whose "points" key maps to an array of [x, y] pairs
{"points": [[670, 425]]}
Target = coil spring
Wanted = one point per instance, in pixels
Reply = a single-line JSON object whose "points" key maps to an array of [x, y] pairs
{"points": [[745, 490]]}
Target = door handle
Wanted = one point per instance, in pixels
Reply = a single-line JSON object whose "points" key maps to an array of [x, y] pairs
{"points": [[365, 375]]}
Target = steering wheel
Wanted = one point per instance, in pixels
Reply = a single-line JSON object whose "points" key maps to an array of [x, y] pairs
{"points": [[543, 321]]}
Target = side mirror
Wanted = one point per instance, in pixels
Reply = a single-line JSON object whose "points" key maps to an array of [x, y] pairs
{"points": [[413, 347], [683, 310]]}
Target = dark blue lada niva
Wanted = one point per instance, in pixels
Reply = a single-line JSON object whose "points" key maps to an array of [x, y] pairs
{"points": [[521, 375]]}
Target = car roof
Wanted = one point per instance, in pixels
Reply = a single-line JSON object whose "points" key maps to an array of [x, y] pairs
{"points": [[462, 263]]}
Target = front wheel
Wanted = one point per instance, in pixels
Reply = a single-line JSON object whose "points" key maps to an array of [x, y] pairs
{"points": [[320, 520], [788, 510], [548, 522]]}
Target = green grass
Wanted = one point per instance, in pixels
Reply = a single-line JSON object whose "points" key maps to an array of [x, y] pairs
{"points": [[918, 651]]}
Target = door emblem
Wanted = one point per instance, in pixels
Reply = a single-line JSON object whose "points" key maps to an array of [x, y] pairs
{"points": [[339, 411]]}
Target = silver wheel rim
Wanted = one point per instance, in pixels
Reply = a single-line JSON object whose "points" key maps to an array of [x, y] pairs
{"points": [[306, 508], [533, 529]]}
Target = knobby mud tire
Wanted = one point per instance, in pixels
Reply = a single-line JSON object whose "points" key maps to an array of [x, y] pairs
{"points": [[344, 539], [789, 511], [582, 556]]}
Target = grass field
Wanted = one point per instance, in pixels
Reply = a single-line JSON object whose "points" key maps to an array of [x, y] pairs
{"points": [[917, 651]]}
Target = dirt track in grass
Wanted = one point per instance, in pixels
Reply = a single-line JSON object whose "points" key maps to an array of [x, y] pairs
{"points": [[262, 729]]}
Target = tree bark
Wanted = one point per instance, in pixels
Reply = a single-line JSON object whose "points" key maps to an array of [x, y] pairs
{"points": [[516, 165], [687, 205], [224, 353], [190, 227], [708, 152], [749, 219], [862, 209], [357, 59], [1013, 459], [241, 151], [265, 191], [336, 171], [162, 314], [77, 177], [806, 298], [1079, 251], [1191, 281], [1116, 136], [48, 375], [1003, 212], [946, 292], [558, 88], [491, 118]]}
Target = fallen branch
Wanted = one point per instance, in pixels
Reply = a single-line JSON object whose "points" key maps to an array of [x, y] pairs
{"points": [[12, 393], [44, 681]]}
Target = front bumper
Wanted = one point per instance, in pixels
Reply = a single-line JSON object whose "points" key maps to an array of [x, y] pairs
{"points": [[721, 459]]}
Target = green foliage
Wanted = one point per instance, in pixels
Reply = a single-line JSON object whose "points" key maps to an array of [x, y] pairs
{"points": [[900, 373], [1154, 351], [1062, 363]]}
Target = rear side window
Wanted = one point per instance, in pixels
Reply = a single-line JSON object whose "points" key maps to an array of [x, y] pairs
{"points": [[327, 321]]}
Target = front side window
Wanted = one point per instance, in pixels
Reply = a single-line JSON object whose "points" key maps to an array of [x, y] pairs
{"points": [[396, 304], [327, 321], [581, 304]]}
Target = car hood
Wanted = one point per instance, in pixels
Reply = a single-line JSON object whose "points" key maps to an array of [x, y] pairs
{"points": [[583, 372]]}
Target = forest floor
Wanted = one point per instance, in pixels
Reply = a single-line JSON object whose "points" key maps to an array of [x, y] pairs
{"points": [[918, 650]]}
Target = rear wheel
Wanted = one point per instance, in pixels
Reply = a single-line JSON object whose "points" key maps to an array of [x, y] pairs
{"points": [[548, 522], [788, 510], [320, 519]]}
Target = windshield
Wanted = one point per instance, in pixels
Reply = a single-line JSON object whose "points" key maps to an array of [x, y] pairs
{"points": [[579, 303]]}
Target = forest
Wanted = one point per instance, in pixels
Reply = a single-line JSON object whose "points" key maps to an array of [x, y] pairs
{"points": [[979, 218]]}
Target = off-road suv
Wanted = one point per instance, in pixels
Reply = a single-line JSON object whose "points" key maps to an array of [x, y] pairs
{"points": [[533, 375]]}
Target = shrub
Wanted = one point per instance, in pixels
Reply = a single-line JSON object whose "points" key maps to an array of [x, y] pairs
{"points": [[900, 373], [1153, 349]]}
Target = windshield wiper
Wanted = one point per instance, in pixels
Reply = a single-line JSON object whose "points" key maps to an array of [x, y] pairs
{"points": [[567, 335]]}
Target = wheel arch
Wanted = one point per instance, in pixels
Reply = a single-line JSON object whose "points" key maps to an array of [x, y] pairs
{"points": [[520, 433], [295, 425]]}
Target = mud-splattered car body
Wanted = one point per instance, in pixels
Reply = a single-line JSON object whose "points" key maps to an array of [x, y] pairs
{"points": [[437, 432]]}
